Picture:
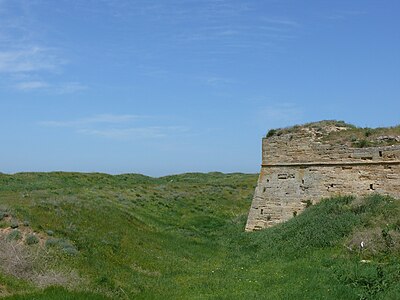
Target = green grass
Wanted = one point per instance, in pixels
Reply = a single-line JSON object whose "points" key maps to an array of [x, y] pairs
{"points": [[362, 137], [353, 136], [182, 237], [58, 293]]}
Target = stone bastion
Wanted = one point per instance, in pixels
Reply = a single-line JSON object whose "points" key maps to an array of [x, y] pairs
{"points": [[303, 164]]}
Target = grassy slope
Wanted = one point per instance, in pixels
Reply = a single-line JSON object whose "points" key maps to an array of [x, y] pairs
{"points": [[181, 237]]}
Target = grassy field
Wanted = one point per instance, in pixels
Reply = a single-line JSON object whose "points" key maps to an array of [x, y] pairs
{"points": [[97, 236]]}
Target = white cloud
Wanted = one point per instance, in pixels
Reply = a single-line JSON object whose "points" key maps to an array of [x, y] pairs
{"points": [[59, 88], [114, 126], [216, 81], [96, 119], [25, 56], [31, 85], [27, 60], [69, 88], [281, 22], [135, 132], [280, 115], [282, 111], [344, 14]]}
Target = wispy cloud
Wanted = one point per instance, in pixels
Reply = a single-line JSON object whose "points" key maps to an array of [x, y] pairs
{"points": [[57, 88], [96, 119], [135, 132], [280, 115], [115, 126], [28, 59], [345, 14], [31, 85], [69, 88], [229, 26], [216, 81], [281, 22]]}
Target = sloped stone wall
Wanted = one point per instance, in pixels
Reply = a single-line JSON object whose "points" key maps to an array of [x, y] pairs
{"points": [[299, 169]]}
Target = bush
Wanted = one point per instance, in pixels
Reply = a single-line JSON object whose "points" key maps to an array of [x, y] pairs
{"points": [[31, 239], [14, 235], [64, 245], [67, 247], [362, 144], [270, 133], [71, 250], [51, 242], [14, 224]]}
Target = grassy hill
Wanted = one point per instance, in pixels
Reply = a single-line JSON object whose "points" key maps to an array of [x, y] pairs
{"points": [[97, 236]]}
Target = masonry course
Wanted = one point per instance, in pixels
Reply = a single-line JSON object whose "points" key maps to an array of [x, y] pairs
{"points": [[301, 166]]}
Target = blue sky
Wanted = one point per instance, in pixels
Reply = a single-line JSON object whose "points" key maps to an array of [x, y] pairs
{"points": [[172, 86]]}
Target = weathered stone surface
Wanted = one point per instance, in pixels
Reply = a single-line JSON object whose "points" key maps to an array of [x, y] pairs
{"points": [[299, 167]]}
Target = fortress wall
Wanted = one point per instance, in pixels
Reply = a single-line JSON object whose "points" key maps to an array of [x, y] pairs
{"points": [[302, 169], [284, 191]]}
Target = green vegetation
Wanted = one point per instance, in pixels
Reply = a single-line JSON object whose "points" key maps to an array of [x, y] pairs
{"points": [[271, 132], [181, 237], [14, 235], [318, 126], [31, 239], [366, 137], [349, 135]]}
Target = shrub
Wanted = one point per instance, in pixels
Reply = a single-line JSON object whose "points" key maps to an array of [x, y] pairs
{"points": [[362, 143], [51, 242], [67, 247], [14, 224], [64, 245], [31, 239], [71, 250], [14, 235], [397, 225], [270, 133], [2, 215]]}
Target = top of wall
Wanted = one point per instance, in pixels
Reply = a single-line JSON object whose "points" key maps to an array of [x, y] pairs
{"points": [[331, 141]]}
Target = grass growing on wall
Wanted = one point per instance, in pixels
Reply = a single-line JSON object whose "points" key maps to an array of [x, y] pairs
{"points": [[181, 237], [353, 136], [362, 137]]}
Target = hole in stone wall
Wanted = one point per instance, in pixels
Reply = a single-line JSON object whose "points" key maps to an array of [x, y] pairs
{"points": [[262, 211], [371, 187], [332, 184], [264, 189], [268, 218], [294, 213], [302, 181], [267, 180], [380, 153]]}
